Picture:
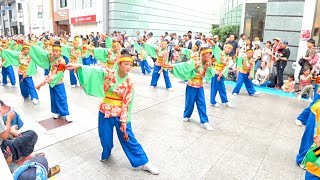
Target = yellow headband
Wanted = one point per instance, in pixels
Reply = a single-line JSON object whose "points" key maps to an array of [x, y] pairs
{"points": [[228, 45], [205, 51], [56, 48], [249, 50], [115, 44], [125, 59], [73, 57], [25, 46]]}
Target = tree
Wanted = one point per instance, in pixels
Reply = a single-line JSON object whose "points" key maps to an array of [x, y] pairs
{"points": [[224, 32]]}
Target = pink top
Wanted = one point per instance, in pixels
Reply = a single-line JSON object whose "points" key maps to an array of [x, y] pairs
{"points": [[305, 82]]}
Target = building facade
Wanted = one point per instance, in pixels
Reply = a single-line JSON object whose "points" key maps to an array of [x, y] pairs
{"points": [[249, 15], [162, 16], [292, 20], [86, 16], [61, 16], [24, 17]]}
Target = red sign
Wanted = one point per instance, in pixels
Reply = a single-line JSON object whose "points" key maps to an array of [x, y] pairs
{"points": [[83, 19]]}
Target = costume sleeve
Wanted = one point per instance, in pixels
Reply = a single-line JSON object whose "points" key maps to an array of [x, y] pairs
{"points": [[91, 79], [108, 42], [56, 74], [100, 54], [216, 52], [65, 51], [151, 50], [210, 72], [186, 52], [239, 61], [137, 46], [184, 70], [11, 58], [40, 56], [127, 104]]}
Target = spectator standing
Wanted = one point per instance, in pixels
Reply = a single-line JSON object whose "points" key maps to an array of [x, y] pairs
{"points": [[167, 37], [244, 49], [310, 53], [188, 43], [281, 63], [242, 41], [234, 43], [267, 54], [217, 42], [257, 55]]}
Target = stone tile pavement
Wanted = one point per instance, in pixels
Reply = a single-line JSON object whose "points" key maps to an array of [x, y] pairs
{"points": [[255, 140]]}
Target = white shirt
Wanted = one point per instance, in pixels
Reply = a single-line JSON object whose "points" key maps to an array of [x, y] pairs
{"points": [[262, 73], [175, 41], [241, 43], [151, 41]]}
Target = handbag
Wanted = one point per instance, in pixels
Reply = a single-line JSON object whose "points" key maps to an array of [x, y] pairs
{"points": [[301, 62]]}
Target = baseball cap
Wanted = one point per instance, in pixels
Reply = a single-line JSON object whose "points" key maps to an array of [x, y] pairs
{"points": [[215, 36], [285, 42]]}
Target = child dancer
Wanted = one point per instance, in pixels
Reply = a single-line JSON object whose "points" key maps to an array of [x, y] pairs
{"points": [[246, 72], [194, 71], [26, 83], [115, 109], [59, 104], [220, 68]]}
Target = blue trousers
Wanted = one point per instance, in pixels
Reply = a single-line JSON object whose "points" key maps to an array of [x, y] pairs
{"points": [[307, 138], [267, 83], [131, 148], [46, 72], [27, 88], [8, 72], [156, 75], [59, 104], [195, 95], [73, 79], [144, 67], [303, 117], [86, 61], [218, 86], [310, 176], [243, 78]]}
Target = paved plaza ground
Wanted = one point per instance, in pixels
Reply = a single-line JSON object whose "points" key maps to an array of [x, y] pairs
{"points": [[255, 140]]}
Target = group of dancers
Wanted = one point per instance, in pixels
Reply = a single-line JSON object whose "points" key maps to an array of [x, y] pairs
{"points": [[110, 80]]}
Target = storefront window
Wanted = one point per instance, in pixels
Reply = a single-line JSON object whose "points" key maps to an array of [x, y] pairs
{"points": [[255, 14], [63, 3], [316, 25]]}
